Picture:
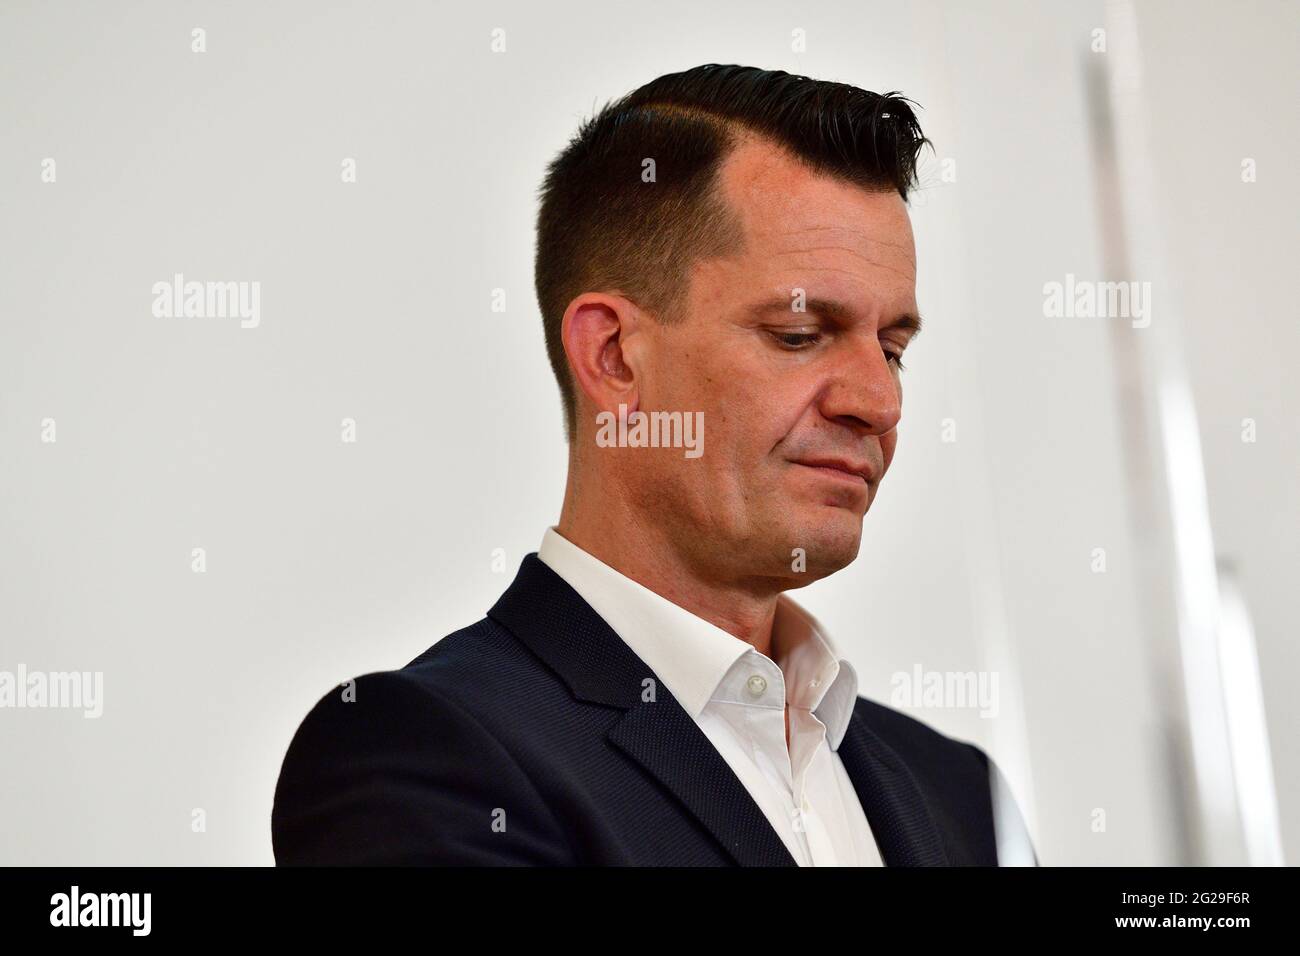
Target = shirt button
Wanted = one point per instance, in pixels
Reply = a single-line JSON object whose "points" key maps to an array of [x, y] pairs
{"points": [[815, 682], [756, 685]]}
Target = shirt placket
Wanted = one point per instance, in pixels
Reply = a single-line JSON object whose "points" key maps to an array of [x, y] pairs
{"points": [[807, 737], [762, 690]]}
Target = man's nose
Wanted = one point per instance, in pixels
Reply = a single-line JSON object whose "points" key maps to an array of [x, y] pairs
{"points": [[863, 391]]}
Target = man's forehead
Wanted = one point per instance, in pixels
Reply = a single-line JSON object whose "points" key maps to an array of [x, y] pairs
{"points": [[791, 210], [819, 245]]}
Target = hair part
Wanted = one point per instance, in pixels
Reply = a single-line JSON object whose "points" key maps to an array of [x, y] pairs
{"points": [[602, 227]]}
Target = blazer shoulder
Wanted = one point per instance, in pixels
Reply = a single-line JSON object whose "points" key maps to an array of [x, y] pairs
{"points": [[449, 675], [477, 666], [398, 767], [399, 708]]}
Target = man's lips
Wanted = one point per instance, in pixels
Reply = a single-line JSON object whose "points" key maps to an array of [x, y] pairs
{"points": [[841, 468]]}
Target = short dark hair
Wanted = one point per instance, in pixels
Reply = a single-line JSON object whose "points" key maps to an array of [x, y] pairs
{"points": [[600, 227]]}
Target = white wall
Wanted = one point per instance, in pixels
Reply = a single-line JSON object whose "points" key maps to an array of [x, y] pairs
{"points": [[1221, 88]]}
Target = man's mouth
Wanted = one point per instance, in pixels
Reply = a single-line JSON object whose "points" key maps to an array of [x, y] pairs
{"points": [[840, 469]]}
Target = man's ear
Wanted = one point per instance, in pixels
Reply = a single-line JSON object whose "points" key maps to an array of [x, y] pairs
{"points": [[597, 331]]}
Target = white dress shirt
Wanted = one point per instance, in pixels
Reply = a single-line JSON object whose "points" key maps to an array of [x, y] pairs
{"points": [[738, 697]]}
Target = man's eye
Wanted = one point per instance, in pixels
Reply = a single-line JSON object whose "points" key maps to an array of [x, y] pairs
{"points": [[897, 359], [794, 341]]}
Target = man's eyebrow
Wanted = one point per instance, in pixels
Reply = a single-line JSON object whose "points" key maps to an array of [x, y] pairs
{"points": [[909, 321], [837, 311]]}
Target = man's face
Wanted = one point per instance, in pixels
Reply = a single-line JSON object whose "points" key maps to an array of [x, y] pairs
{"points": [[790, 398]]}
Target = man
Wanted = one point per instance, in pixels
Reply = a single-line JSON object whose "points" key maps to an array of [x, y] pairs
{"points": [[726, 247]]}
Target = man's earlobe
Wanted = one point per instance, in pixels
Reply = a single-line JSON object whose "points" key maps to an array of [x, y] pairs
{"points": [[595, 331]]}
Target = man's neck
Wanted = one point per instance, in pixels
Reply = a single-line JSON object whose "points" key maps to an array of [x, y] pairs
{"points": [[645, 556]]}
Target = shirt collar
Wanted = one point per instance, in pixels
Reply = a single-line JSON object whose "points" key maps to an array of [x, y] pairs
{"points": [[691, 656]]}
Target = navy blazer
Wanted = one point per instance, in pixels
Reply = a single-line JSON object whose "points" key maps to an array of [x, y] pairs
{"points": [[524, 739]]}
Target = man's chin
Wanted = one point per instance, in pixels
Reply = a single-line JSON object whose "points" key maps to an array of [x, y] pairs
{"points": [[827, 543]]}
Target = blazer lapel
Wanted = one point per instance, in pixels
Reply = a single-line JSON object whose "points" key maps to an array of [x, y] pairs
{"points": [[662, 737], [556, 624], [900, 820]]}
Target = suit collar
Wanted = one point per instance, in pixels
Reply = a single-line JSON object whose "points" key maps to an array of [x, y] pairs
{"points": [[553, 621], [694, 657], [557, 625], [689, 654]]}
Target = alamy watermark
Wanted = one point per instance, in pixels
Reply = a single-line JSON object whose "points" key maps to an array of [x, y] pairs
{"points": [[1088, 299], [76, 908], [62, 690], [946, 689], [651, 430], [179, 299]]}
